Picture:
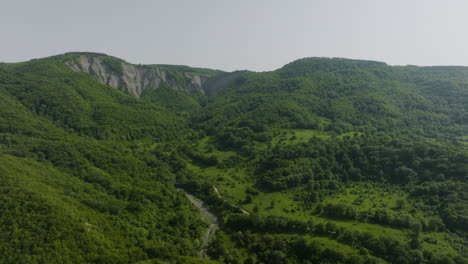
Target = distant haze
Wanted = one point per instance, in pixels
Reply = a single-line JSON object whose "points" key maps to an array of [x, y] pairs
{"points": [[243, 34]]}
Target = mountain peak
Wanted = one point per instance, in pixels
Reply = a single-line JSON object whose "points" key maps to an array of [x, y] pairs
{"points": [[306, 66]]}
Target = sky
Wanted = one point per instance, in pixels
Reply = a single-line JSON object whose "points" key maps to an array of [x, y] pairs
{"points": [[259, 35]]}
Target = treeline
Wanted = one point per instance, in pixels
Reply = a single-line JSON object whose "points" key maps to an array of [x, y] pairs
{"points": [[379, 158], [450, 198], [276, 249], [319, 166], [383, 247], [382, 217]]}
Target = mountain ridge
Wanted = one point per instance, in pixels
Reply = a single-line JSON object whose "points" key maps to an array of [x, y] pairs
{"points": [[335, 160]]}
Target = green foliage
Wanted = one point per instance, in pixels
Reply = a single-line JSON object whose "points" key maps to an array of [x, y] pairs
{"points": [[397, 127], [332, 161], [76, 188], [180, 102]]}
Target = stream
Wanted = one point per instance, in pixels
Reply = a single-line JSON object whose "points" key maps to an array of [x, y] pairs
{"points": [[207, 217]]}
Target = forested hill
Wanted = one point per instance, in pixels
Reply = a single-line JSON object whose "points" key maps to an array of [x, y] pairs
{"points": [[325, 160], [345, 94]]}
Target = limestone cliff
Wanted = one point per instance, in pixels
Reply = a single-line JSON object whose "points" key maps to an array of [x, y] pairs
{"points": [[135, 79]]}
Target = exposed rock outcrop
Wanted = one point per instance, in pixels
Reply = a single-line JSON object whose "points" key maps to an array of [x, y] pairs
{"points": [[135, 79]]}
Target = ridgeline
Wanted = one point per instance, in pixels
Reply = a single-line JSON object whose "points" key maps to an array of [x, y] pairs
{"points": [[334, 161]]}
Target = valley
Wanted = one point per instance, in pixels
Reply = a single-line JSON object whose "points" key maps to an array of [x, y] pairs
{"points": [[325, 160]]}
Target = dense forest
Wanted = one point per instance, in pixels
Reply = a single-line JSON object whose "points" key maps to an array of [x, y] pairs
{"points": [[325, 160]]}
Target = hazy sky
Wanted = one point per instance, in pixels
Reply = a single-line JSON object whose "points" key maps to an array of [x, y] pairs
{"points": [[239, 34]]}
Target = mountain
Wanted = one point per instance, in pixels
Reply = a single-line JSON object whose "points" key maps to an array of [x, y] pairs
{"points": [[138, 79], [175, 86], [325, 160]]}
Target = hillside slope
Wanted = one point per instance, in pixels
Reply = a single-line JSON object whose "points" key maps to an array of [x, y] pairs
{"points": [[78, 181]]}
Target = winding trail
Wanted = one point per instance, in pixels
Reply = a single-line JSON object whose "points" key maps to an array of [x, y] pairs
{"points": [[207, 217], [238, 207]]}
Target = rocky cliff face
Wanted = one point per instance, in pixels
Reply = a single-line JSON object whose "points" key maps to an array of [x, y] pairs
{"points": [[135, 79]]}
